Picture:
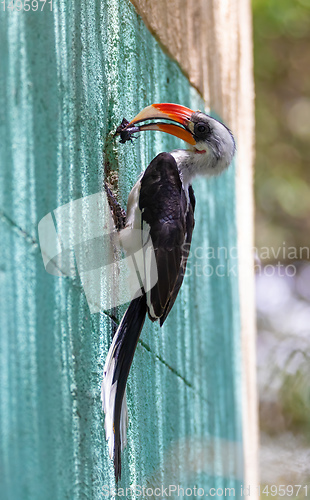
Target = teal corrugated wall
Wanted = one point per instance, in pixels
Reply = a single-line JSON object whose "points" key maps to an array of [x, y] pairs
{"points": [[67, 79]]}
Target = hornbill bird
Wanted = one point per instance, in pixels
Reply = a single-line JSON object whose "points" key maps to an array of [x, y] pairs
{"points": [[163, 201]]}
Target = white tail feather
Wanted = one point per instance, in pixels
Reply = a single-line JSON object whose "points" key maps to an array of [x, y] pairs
{"points": [[115, 375], [108, 392]]}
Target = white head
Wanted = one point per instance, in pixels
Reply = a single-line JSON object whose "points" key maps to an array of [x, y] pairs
{"points": [[213, 150]]}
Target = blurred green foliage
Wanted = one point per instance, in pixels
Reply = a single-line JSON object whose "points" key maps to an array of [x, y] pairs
{"points": [[282, 79], [295, 401]]}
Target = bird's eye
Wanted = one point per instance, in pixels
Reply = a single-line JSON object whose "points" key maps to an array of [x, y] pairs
{"points": [[201, 130]]}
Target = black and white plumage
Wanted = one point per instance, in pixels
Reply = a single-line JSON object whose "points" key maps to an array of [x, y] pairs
{"points": [[163, 201]]}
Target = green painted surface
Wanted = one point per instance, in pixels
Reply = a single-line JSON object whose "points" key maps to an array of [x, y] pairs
{"points": [[67, 78]]}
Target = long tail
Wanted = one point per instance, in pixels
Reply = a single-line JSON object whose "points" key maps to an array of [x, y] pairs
{"points": [[115, 373]]}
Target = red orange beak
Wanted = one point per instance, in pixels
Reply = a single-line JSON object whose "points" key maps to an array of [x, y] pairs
{"points": [[166, 111]]}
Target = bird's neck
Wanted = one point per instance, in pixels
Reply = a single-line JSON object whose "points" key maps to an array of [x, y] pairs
{"points": [[192, 164]]}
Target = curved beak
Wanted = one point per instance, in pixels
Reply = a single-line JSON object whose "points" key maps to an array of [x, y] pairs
{"points": [[166, 111]]}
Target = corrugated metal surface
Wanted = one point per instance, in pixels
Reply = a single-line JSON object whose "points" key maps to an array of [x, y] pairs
{"points": [[67, 79]]}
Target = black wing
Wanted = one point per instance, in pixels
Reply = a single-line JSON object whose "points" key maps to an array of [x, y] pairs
{"points": [[170, 215], [190, 222]]}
